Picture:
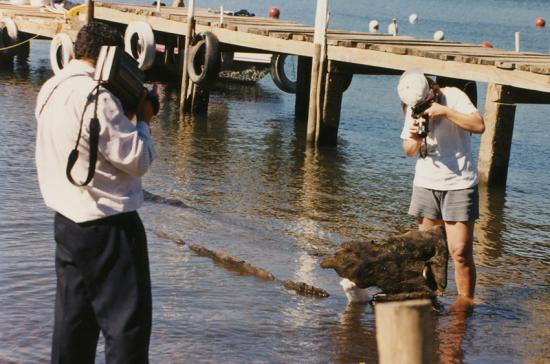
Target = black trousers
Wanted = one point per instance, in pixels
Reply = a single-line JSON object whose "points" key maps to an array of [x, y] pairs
{"points": [[103, 284]]}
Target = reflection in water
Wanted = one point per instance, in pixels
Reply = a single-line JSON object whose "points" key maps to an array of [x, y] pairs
{"points": [[449, 336], [490, 226], [354, 337]]}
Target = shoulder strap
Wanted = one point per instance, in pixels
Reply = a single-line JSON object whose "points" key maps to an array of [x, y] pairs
{"points": [[93, 142]]}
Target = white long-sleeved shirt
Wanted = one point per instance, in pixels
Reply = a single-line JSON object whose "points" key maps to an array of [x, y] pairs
{"points": [[125, 149]]}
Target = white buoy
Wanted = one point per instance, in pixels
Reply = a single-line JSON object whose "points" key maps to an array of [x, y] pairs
{"points": [[413, 18], [439, 35], [392, 28], [373, 26]]}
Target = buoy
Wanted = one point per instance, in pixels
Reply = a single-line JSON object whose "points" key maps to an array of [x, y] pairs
{"points": [[540, 22], [373, 26], [487, 44], [392, 28], [439, 35], [413, 18], [274, 13]]}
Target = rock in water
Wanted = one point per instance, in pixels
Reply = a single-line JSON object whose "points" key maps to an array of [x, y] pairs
{"points": [[414, 262]]}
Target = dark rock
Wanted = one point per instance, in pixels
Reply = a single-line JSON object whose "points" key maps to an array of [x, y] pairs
{"points": [[412, 262]]}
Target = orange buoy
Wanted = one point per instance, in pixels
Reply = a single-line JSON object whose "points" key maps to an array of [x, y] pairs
{"points": [[486, 44], [274, 13], [540, 22]]}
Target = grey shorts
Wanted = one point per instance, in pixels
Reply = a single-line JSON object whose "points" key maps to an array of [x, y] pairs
{"points": [[457, 205]]}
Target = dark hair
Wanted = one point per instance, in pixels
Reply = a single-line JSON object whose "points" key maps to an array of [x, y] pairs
{"points": [[92, 37]]}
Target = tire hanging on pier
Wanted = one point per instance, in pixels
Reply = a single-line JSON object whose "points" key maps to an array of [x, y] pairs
{"points": [[139, 42], [283, 82], [204, 59], [61, 51], [278, 74], [9, 36]]}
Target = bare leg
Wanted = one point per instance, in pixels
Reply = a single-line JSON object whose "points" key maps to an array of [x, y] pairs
{"points": [[460, 236], [426, 224]]}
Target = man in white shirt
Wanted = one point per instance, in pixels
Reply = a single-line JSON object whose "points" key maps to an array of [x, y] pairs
{"points": [[103, 280], [445, 183]]}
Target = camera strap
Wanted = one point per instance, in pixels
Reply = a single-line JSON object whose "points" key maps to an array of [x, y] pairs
{"points": [[94, 129]]}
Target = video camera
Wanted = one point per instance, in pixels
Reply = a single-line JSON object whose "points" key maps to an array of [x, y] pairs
{"points": [[421, 119], [119, 73]]}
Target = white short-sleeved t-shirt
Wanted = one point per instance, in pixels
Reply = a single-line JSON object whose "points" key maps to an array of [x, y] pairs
{"points": [[449, 164]]}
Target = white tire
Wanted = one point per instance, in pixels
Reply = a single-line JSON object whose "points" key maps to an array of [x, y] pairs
{"points": [[61, 51], [8, 36], [139, 42]]}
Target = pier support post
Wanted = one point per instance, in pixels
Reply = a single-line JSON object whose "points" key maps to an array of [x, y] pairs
{"points": [[334, 86], [496, 141], [89, 11], [199, 99], [404, 332], [184, 75], [303, 84], [317, 66]]}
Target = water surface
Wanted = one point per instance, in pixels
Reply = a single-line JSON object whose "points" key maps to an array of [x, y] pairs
{"points": [[254, 191]]}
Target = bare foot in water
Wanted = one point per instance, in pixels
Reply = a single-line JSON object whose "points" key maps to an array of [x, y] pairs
{"points": [[462, 304]]}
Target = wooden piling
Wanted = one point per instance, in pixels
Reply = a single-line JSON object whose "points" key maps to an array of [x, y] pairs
{"points": [[496, 141], [184, 75], [89, 11], [326, 132], [404, 332], [319, 39], [303, 84], [200, 97]]}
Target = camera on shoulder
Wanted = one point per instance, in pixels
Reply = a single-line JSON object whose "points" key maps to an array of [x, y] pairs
{"points": [[119, 73]]}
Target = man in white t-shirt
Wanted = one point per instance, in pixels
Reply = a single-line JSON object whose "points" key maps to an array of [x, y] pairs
{"points": [[445, 183]]}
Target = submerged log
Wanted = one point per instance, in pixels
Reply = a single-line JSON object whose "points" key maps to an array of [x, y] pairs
{"points": [[234, 264], [414, 262], [242, 267], [305, 289]]}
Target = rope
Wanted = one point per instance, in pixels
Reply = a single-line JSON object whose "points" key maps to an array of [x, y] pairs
{"points": [[18, 44]]}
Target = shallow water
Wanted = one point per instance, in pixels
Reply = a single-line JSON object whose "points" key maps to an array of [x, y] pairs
{"points": [[254, 191]]}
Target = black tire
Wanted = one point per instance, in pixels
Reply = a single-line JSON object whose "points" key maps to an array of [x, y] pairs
{"points": [[204, 59], [283, 82], [278, 74]]}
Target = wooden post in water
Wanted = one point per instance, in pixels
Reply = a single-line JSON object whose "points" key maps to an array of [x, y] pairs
{"points": [[316, 72], [496, 141], [303, 84], [404, 332], [89, 11], [200, 96], [184, 75], [326, 132]]}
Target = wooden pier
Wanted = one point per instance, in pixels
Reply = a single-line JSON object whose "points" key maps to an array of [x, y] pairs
{"points": [[328, 59]]}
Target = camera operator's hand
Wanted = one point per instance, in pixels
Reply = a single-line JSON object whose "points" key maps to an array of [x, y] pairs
{"points": [[145, 110], [436, 111], [413, 131]]}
